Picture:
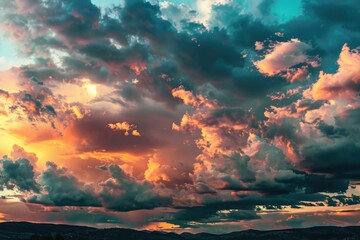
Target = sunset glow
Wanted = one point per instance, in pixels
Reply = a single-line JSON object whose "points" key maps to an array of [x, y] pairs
{"points": [[179, 115]]}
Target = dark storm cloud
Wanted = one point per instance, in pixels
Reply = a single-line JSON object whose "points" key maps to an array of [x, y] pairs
{"points": [[331, 131], [208, 55], [344, 13], [287, 130], [123, 193], [339, 159], [137, 50], [18, 174], [326, 18], [42, 70], [242, 165], [245, 208], [110, 56], [56, 186], [342, 200], [244, 34], [312, 184], [241, 26], [242, 209], [63, 189], [120, 192], [351, 122], [251, 84], [77, 20], [212, 215]]}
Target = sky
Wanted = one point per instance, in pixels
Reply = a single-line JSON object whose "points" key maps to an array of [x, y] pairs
{"points": [[185, 116]]}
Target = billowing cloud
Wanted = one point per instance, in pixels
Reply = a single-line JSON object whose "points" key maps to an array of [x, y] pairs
{"points": [[120, 192], [342, 84], [176, 14], [19, 152], [201, 115], [63, 189], [288, 59], [123, 193], [18, 174]]}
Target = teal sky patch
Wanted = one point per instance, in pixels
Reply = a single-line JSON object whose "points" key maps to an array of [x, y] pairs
{"points": [[285, 10], [106, 3], [8, 54]]}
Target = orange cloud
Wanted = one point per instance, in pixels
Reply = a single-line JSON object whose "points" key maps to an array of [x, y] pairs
{"points": [[138, 67], [190, 99], [282, 58], [161, 226], [126, 127], [19, 152], [345, 82]]}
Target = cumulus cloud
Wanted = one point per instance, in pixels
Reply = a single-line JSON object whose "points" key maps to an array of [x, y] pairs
{"points": [[121, 192], [19, 152], [345, 83], [205, 8], [176, 14], [283, 57], [18, 175], [63, 189], [341, 155], [232, 157], [219, 141]]}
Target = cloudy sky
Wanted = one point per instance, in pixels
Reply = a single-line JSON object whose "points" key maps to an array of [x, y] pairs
{"points": [[182, 115]]}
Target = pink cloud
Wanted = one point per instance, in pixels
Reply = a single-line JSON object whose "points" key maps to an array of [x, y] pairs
{"points": [[345, 83], [259, 45], [19, 152], [283, 56]]}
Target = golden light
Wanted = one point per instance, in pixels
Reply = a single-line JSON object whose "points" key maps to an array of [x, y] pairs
{"points": [[162, 226], [90, 88]]}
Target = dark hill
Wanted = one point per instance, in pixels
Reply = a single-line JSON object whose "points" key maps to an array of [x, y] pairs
{"points": [[35, 231]]}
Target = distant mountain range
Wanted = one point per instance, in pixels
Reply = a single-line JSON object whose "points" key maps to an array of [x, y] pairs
{"points": [[35, 231]]}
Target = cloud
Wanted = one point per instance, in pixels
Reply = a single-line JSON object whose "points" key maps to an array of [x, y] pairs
{"points": [[222, 140], [205, 8], [120, 192], [123, 193], [36, 103], [63, 189], [176, 14], [345, 83], [341, 156], [19, 152], [283, 57], [96, 135], [336, 13], [18, 175], [230, 155], [126, 127], [173, 166]]}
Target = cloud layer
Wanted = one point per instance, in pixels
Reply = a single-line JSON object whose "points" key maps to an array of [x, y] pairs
{"points": [[147, 114]]}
